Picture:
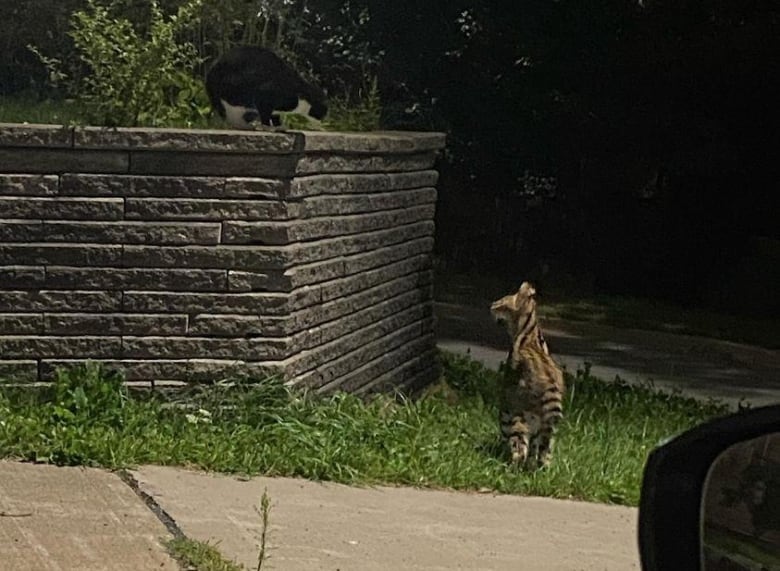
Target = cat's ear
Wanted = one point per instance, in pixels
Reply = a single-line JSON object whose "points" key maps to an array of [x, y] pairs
{"points": [[526, 290]]}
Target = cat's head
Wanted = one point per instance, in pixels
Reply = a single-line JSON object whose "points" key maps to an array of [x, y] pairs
{"points": [[513, 310]]}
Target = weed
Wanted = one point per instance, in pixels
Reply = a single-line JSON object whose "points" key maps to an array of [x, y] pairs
{"points": [[200, 556], [446, 438], [264, 510]]}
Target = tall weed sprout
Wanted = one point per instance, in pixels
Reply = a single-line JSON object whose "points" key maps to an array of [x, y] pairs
{"points": [[136, 78]]}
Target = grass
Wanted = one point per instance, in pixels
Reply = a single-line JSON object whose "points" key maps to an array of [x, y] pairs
{"points": [[343, 115], [13, 110], [617, 311], [446, 438], [204, 556], [200, 556]]}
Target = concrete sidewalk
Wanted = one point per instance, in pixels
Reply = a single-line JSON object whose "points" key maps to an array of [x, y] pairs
{"points": [[73, 519], [323, 526], [62, 519], [698, 366]]}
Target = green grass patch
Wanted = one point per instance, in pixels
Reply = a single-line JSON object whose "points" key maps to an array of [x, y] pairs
{"points": [[448, 437], [60, 112], [362, 115], [200, 556]]}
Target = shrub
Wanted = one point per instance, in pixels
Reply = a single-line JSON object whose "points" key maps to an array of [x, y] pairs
{"points": [[132, 77]]}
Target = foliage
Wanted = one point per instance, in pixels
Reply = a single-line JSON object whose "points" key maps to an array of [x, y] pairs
{"points": [[591, 144], [644, 114], [135, 78], [446, 438], [362, 114], [41, 22]]}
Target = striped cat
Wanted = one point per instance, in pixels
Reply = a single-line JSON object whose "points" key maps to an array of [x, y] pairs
{"points": [[532, 387]]}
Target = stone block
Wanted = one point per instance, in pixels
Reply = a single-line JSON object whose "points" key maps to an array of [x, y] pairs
{"points": [[18, 371], [317, 272], [224, 141], [24, 135], [347, 322], [124, 232], [408, 378], [376, 369], [60, 301], [208, 209], [197, 347], [401, 324], [360, 183], [215, 257], [253, 187], [354, 356], [28, 185], [35, 207], [237, 232], [241, 281], [232, 325], [60, 254], [21, 323], [359, 282], [374, 240], [132, 370], [260, 233], [327, 248], [372, 297], [21, 231], [114, 324], [376, 142], [50, 161], [420, 250], [236, 303], [214, 370], [59, 277], [211, 164], [362, 203], [326, 163], [78, 184], [39, 347], [22, 277]]}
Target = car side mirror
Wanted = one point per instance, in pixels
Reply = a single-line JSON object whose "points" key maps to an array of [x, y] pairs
{"points": [[710, 497]]}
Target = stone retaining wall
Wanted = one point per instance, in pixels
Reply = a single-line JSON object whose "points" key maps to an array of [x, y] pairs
{"points": [[182, 255]]}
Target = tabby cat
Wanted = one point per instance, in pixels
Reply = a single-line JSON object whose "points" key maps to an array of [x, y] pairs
{"points": [[532, 387]]}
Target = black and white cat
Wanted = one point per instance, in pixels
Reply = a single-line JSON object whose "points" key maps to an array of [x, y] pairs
{"points": [[249, 83]]}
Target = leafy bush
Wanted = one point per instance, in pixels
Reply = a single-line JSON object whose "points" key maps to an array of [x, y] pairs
{"points": [[133, 77]]}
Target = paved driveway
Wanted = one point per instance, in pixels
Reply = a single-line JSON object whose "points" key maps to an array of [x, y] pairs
{"points": [[698, 366]]}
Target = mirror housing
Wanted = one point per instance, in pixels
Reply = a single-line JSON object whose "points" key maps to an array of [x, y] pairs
{"points": [[670, 504]]}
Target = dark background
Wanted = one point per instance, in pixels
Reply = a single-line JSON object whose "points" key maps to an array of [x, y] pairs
{"points": [[609, 147]]}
